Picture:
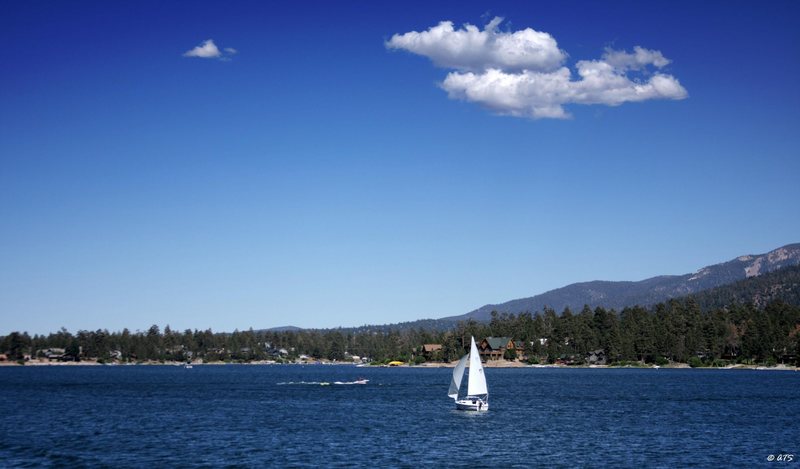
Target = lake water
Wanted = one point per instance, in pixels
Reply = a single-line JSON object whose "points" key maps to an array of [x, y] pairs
{"points": [[166, 416]]}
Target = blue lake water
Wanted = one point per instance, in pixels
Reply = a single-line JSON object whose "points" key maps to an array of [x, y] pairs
{"points": [[165, 416]]}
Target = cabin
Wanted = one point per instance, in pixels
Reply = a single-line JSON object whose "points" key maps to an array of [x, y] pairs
{"points": [[596, 357], [52, 353], [493, 348], [431, 351], [566, 360]]}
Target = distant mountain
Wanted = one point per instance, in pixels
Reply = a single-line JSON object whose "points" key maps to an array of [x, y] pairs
{"points": [[617, 295], [284, 329], [420, 324], [779, 285]]}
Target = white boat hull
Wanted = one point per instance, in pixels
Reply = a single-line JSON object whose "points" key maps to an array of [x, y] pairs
{"points": [[473, 404]]}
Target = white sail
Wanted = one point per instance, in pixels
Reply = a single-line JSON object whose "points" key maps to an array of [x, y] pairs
{"points": [[458, 373], [476, 383]]}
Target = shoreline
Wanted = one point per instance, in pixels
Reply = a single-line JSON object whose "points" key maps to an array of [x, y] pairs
{"points": [[489, 364], [676, 366]]}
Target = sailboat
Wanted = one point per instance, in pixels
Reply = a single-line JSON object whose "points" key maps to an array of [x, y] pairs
{"points": [[477, 398]]}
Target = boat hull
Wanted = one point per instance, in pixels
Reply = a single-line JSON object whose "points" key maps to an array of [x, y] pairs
{"points": [[472, 404]]}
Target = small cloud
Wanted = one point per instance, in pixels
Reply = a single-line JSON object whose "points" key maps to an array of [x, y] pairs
{"points": [[209, 50], [206, 50], [639, 59], [522, 73]]}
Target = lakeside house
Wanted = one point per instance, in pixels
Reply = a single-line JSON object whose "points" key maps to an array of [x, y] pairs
{"points": [[52, 353], [494, 348], [596, 357], [431, 351]]}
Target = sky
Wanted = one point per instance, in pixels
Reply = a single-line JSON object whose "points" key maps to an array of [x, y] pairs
{"points": [[325, 164]]}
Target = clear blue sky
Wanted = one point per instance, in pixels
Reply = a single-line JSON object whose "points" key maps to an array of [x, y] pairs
{"points": [[319, 178]]}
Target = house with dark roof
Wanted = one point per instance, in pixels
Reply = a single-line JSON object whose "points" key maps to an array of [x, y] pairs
{"points": [[493, 348], [596, 357], [431, 351], [52, 353]]}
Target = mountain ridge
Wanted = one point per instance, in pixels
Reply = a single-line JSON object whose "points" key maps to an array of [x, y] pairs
{"points": [[618, 294], [611, 294]]}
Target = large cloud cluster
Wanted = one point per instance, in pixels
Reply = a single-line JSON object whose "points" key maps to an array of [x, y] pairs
{"points": [[522, 73]]}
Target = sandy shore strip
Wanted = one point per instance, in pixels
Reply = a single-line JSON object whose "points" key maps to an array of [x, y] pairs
{"points": [[488, 364]]}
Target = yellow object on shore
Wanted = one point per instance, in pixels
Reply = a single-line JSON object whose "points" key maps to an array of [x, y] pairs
{"points": [[396, 363]]}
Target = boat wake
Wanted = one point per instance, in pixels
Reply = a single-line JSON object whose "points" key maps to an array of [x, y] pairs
{"points": [[358, 381], [304, 383], [322, 383]]}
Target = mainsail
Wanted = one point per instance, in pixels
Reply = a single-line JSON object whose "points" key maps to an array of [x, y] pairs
{"points": [[476, 384], [458, 373]]}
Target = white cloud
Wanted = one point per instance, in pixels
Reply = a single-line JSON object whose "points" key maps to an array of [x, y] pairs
{"points": [[531, 94], [542, 94], [472, 49], [640, 58], [522, 73], [206, 50], [209, 50]]}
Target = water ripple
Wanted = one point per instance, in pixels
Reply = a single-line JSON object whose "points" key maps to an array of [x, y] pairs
{"points": [[279, 416]]}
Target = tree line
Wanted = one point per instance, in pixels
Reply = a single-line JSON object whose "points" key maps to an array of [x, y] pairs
{"points": [[677, 330], [673, 331]]}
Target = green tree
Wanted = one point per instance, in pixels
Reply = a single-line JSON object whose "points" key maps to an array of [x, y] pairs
{"points": [[450, 349], [73, 350], [16, 344], [607, 329], [153, 350], [335, 346]]}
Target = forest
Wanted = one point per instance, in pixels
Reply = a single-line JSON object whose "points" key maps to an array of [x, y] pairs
{"points": [[675, 331], [756, 321]]}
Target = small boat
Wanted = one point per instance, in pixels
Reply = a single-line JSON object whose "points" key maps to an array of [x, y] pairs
{"points": [[188, 366], [477, 398]]}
